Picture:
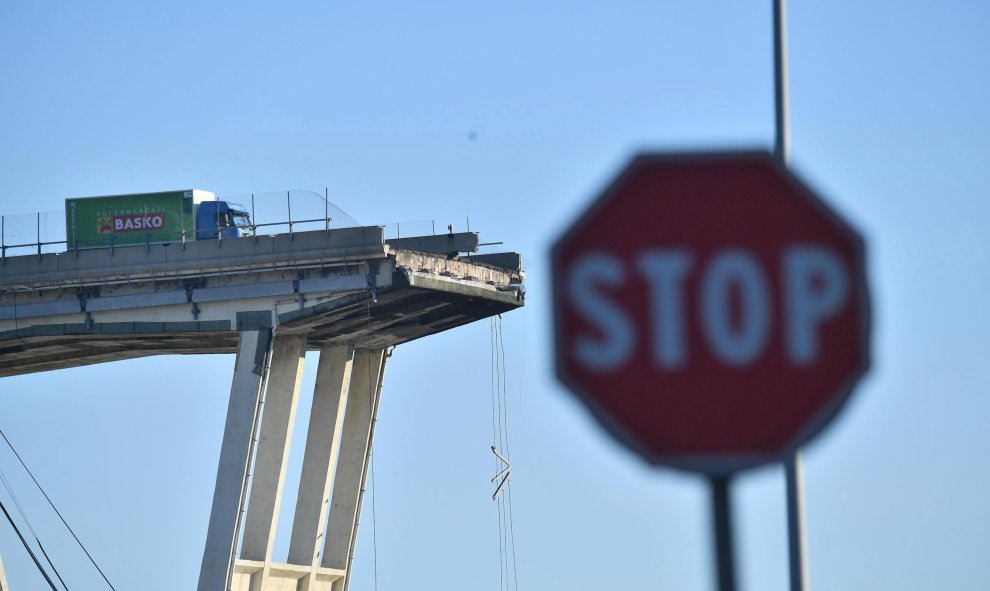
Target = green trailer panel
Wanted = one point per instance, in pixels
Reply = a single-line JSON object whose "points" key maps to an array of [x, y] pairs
{"points": [[93, 222]]}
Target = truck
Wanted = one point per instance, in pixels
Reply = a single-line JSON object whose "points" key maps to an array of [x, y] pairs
{"points": [[147, 218]]}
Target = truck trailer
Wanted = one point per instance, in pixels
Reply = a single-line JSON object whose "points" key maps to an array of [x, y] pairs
{"points": [[147, 218]]}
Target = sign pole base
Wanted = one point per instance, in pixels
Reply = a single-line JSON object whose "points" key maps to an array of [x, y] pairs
{"points": [[796, 545], [722, 520]]}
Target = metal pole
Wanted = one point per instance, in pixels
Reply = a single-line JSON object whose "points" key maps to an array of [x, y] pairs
{"points": [[288, 204], [782, 146], [722, 520], [38, 233], [326, 207], [796, 539], [796, 542], [216, 220]]}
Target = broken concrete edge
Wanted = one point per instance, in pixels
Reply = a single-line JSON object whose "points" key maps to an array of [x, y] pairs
{"points": [[467, 268], [512, 293]]}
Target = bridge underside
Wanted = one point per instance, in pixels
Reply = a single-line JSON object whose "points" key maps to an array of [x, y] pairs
{"points": [[397, 315]]}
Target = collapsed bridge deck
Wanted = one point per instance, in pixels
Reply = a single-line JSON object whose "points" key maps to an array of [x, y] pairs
{"points": [[348, 285]]}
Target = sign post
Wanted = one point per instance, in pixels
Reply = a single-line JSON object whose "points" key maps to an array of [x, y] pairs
{"points": [[725, 558], [712, 313], [793, 470]]}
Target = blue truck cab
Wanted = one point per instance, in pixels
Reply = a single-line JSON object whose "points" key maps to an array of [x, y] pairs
{"points": [[222, 219]]}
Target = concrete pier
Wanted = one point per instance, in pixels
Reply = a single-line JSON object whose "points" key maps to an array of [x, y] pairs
{"points": [[345, 404], [277, 420], [326, 421], [352, 465], [235, 454]]}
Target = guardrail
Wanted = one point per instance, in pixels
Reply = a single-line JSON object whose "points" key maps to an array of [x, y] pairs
{"points": [[45, 232]]}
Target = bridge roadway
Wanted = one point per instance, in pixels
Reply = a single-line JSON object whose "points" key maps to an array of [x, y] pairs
{"points": [[348, 293]]}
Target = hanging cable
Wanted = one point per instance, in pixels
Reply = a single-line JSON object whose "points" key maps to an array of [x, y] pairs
{"points": [[28, 548], [508, 577], [64, 522], [20, 510], [495, 433], [508, 491], [374, 522], [386, 355], [375, 389], [371, 455], [503, 437], [49, 560]]}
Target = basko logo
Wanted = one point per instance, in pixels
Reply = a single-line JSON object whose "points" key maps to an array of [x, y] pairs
{"points": [[130, 223]]}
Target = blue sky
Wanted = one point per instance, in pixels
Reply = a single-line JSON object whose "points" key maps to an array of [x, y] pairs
{"points": [[379, 103]]}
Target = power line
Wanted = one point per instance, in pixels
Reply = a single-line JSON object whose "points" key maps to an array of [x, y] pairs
{"points": [[51, 564], [20, 510], [28, 548], [54, 508]]}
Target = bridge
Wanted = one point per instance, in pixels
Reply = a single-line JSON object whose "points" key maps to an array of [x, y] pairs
{"points": [[348, 293]]}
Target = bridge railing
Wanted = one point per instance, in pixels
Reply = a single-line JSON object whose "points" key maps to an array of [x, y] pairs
{"points": [[290, 211], [282, 212], [38, 232]]}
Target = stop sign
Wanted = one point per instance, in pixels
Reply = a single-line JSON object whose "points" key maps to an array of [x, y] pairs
{"points": [[710, 310]]}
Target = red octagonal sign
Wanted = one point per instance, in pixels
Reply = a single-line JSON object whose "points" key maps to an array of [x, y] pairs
{"points": [[710, 310]]}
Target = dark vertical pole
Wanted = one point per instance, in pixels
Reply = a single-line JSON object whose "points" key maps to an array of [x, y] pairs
{"points": [[796, 543], [288, 205], [722, 520], [782, 146]]}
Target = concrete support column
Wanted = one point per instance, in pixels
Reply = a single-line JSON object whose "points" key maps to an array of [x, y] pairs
{"points": [[352, 464], [322, 447], [277, 420], [3, 579], [235, 452]]}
